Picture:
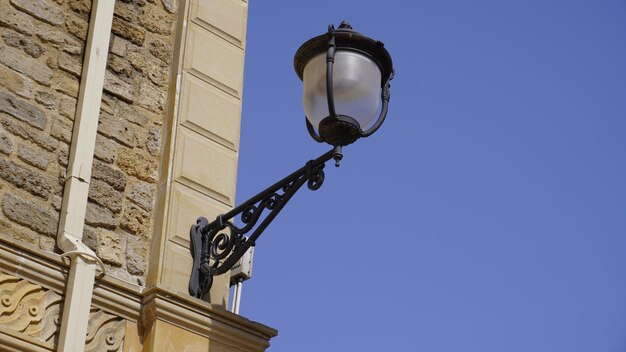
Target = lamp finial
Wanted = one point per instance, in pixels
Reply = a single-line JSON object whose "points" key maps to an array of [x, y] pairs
{"points": [[345, 25]]}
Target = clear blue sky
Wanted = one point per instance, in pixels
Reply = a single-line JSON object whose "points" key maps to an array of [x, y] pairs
{"points": [[489, 211]]}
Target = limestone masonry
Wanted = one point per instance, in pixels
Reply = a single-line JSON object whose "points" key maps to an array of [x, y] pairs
{"points": [[41, 54]]}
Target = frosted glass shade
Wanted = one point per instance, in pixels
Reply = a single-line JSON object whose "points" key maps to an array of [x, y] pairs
{"points": [[356, 88]]}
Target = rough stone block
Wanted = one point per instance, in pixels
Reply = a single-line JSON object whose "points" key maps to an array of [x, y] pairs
{"points": [[119, 46], [57, 201], [156, 20], [162, 51], [138, 60], [34, 156], [136, 164], [117, 129], [120, 66], [169, 5], [64, 154], [106, 149], [60, 184], [18, 233], [51, 35], [15, 19], [60, 39], [99, 216], [151, 98], [90, 237], [142, 194], [26, 213], [22, 110], [70, 63], [26, 179], [105, 195], [47, 243], [41, 9], [16, 82], [136, 221], [77, 26], [158, 75], [136, 255], [23, 43], [52, 61], [110, 247], [66, 84], [156, 71], [109, 174], [31, 67], [61, 129], [20, 129], [6, 142], [111, 104], [47, 99], [127, 10], [131, 113], [73, 47], [126, 30], [118, 88], [67, 107], [153, 141], [81, 7]]}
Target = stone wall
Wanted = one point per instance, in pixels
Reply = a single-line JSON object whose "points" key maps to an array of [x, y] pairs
{"points": [[41, 54]]}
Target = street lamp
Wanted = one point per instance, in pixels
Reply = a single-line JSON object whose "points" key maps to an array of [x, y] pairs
{"points": [[345, 78], [343, 74]]}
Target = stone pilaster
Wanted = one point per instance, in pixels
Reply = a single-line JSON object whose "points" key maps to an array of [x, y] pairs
{"points": [[199, 176]]}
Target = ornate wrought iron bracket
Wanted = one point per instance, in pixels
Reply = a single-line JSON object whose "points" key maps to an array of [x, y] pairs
{"points": [[216, 246]]}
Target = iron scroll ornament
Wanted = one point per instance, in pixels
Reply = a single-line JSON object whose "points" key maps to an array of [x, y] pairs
{"points": [[216, 246]]}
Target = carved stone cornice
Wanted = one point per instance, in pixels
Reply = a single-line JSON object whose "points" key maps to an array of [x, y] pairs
{"points": [[50, 271], [120, 299], [37, 266], [13, 341]]}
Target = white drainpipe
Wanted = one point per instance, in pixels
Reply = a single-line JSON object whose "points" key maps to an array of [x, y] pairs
{"points": [[83, 260]]}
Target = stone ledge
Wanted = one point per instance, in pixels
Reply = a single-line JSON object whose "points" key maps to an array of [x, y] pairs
{"points": [[197, 316], [35, 265], [12, 341]]}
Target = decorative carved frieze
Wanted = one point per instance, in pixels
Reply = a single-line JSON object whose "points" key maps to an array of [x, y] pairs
{"points": [[32, 310], [104, 333], [29, 309]]}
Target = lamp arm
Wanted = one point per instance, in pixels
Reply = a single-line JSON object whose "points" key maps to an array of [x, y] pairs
{"points": [[216, 246]]}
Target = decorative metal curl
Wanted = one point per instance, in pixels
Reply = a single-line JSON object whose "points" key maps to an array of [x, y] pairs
{"points": [[316, 180], [248, 214], [218, 245], [221, 246]]}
